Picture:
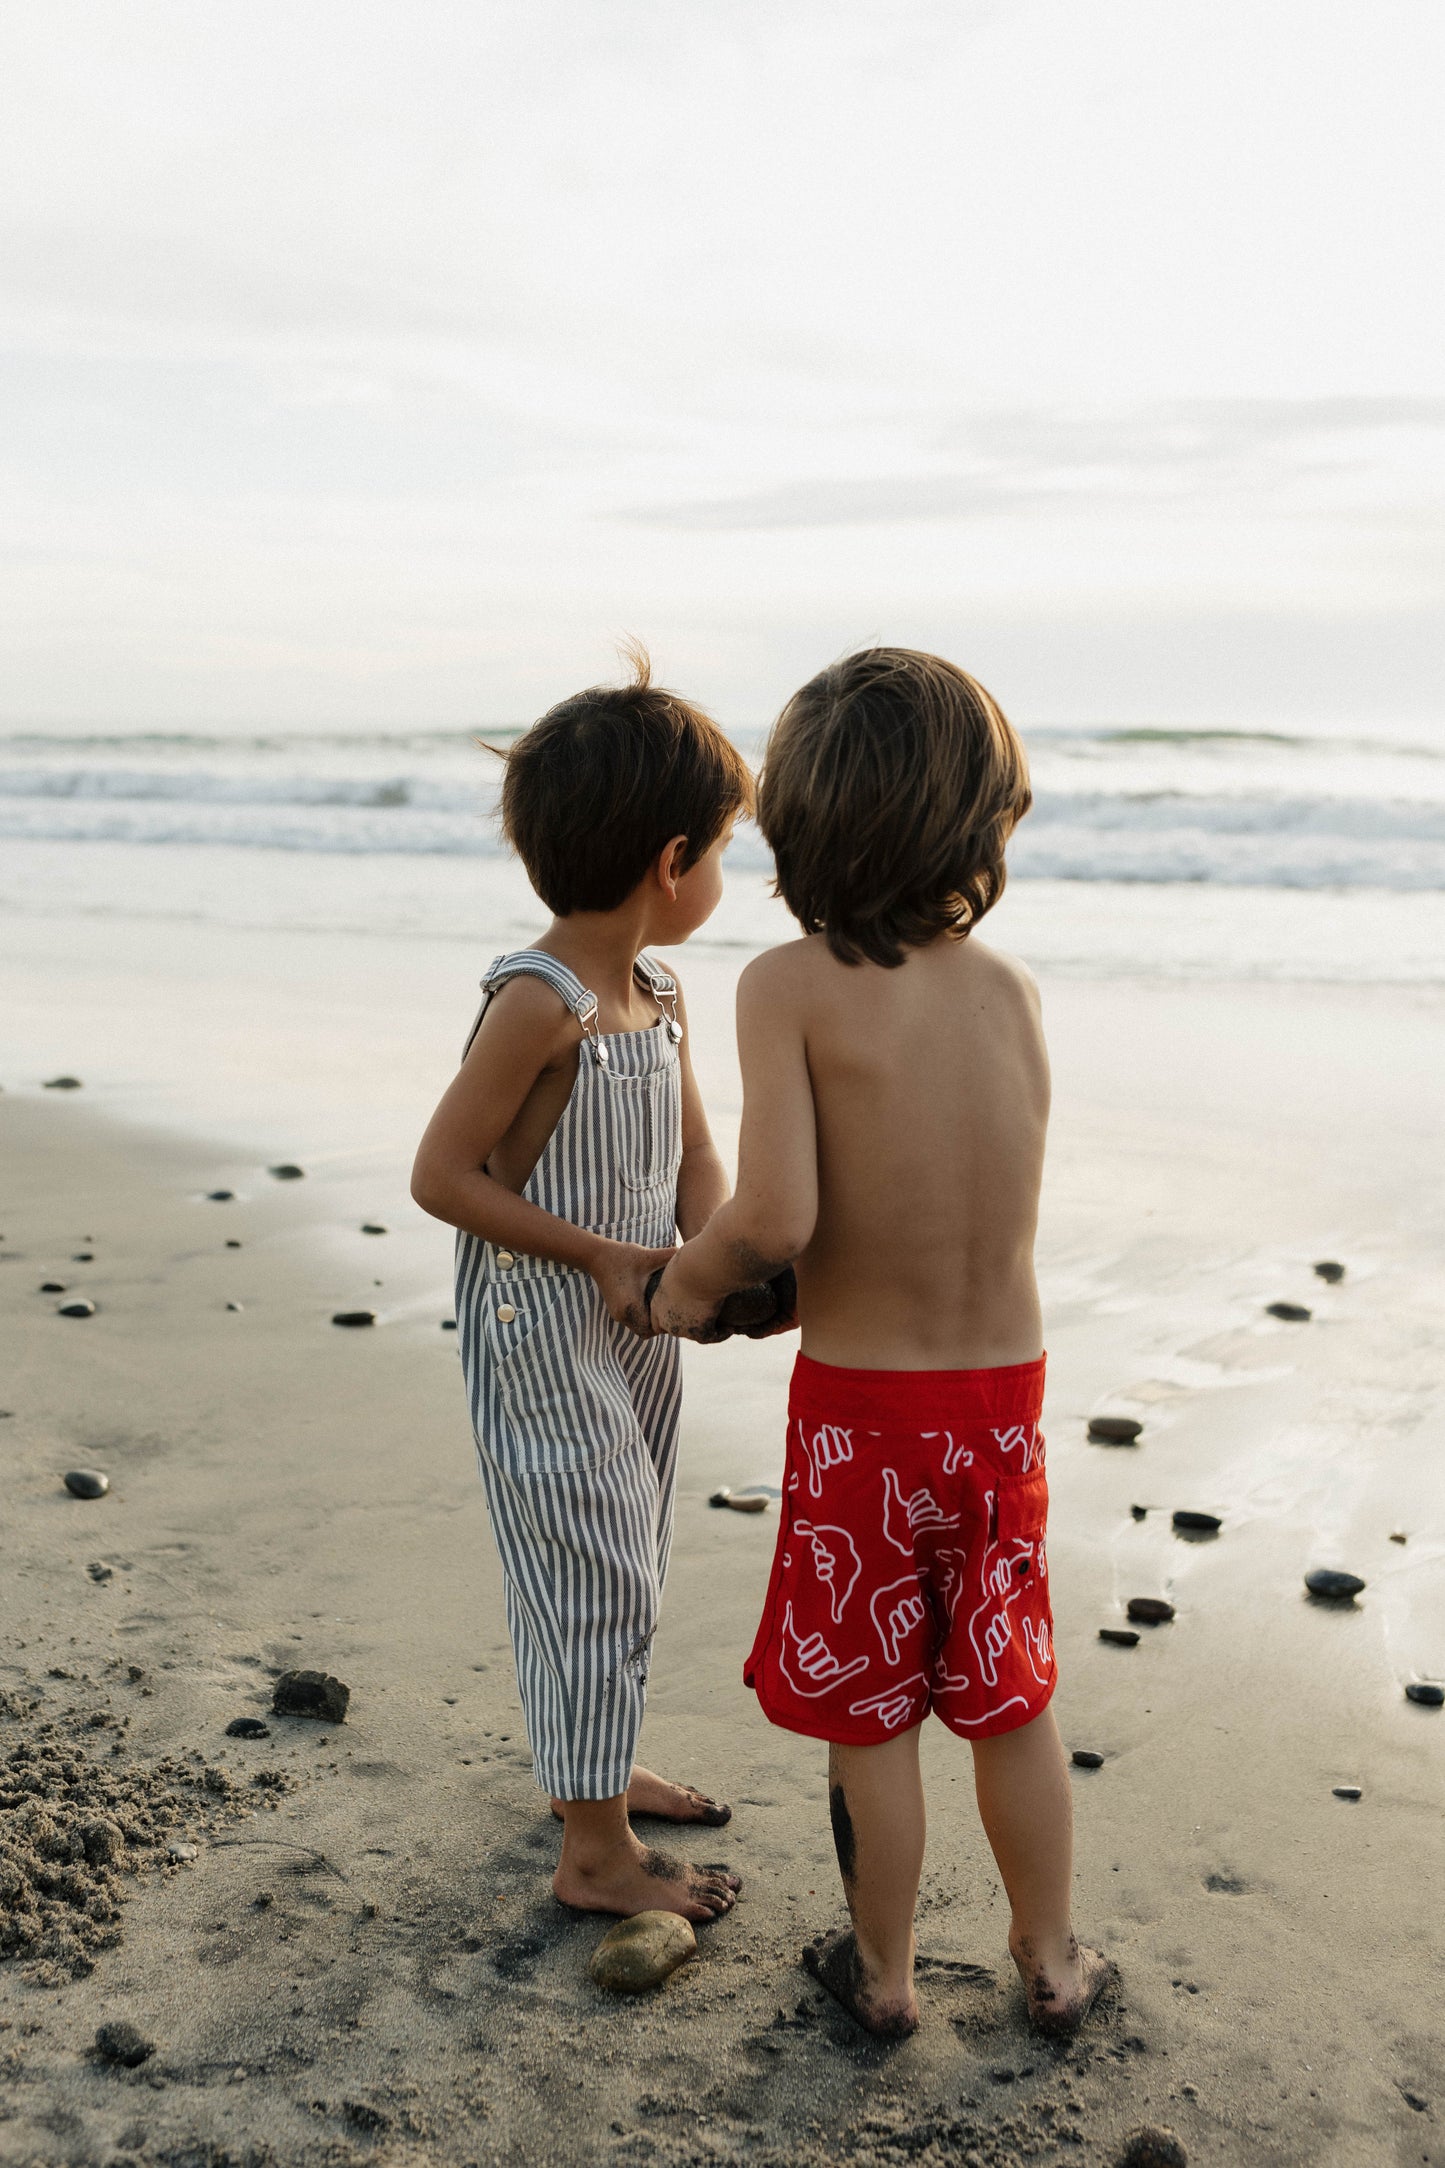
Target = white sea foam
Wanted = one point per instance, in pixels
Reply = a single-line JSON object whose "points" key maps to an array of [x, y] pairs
{"points": [[1240, 808]]}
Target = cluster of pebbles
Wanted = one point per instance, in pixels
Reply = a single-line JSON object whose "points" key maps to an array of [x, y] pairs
{"points": [[1328, 1585]]}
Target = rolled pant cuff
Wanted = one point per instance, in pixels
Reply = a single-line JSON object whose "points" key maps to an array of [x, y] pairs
{"points": [[561, 1783]]}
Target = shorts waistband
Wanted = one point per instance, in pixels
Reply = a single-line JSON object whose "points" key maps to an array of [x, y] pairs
{"points": [[1011, 1392]]}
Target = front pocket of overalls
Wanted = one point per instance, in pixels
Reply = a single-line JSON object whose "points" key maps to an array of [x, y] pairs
{"points": [[634, 1108], [564, 1404]]}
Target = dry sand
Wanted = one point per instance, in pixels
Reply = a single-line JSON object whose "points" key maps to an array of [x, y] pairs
{"points": [[363, 1963]]}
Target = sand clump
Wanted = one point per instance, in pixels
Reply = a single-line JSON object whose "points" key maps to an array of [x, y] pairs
{"points": [[80, 1816]]}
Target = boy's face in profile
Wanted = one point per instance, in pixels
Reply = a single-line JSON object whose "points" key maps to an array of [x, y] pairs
{"points": [[698, 892]]}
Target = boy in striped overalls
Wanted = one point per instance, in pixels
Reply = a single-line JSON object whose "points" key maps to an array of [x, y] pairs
{"points": [[568, 1153]]}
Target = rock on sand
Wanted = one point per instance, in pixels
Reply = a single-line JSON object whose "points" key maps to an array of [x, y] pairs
{"points": [[123, 2043], [1114, 1429], [1333, 1586], [640, 1953], [311, 1693], [1150, 1610], [1152, 2146], [86, 1482]]}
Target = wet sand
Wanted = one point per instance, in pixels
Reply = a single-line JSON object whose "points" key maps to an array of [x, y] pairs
{"points": [[363, 1963]]}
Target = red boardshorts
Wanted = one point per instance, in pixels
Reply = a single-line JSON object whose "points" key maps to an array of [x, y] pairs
{"points": [[910, 1572]]}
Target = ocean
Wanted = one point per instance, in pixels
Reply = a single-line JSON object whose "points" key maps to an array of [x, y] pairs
{"points": [[1148, 851]]}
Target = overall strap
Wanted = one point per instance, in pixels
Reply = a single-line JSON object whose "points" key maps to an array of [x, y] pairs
{"points": [[536, 964], [663, 988]]}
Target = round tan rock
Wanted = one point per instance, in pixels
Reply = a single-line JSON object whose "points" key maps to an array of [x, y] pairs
{"points": [[638, 1954]]}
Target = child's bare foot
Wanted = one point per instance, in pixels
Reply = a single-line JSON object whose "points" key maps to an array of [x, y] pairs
{"points": [[1061, 1994], [837, 1964], [653, 1795], [631, 1878]]}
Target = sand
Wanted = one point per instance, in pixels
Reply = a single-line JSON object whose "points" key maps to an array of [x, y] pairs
{"points": [[363, 1963]]}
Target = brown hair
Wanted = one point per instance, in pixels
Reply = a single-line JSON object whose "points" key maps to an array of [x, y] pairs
{"points": [[890, 785], [595, 789]]}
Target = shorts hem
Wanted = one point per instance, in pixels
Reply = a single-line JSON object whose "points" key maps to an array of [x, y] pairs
{"points": [[837, 1734], [840, 1734], [1000, 1726]]}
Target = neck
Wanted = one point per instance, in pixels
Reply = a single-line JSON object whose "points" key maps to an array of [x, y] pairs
{"points": [[601, 947]]}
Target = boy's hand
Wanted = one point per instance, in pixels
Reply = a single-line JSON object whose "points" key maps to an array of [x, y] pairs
{"points": [[676, 1309], [622, 1271]]}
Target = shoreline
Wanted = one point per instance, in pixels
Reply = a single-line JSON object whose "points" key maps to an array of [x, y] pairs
{"points": [[283, 1493]]}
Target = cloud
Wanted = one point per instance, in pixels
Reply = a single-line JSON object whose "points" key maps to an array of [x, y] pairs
{"points": [[1035, 458]]}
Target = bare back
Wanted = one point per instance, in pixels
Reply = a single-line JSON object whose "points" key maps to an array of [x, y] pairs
{"points": [[930, 1089]]}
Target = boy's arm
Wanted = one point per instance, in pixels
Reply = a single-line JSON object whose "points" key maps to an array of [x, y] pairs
{"points": [[702, 1183], [770, 1219], [520, 1035]]}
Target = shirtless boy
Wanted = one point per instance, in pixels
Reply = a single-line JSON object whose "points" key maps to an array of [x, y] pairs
{"points": [[896, 1095]]}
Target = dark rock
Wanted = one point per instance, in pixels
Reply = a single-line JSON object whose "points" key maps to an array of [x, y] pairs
{"points": [[52, 1287], [1346, 1791], [372, 1227], [1114, 1429], [1329, 1270], [1398, 1535], [1149, 1610], [288, 1171], [220, 1196], [1333, 1586], [62, 1084], [1203, 1524], [1001, 2074], [311, 1693], [83, 1257], [100, 1571], [1119, 1636], [86, 1482], [1139, 1512], [1412, 2099], [236, 1306], [1152, 2146], [449, 1324], [247, 1727], [122, 2043], [1293, 1313], [354, 1317], [1426, 1692], [640, 1953], [232, 1243], [83, 1308], [1084, 1757]]}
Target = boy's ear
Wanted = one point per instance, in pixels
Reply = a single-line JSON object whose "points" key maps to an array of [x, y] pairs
{"points": [[671, 865]]}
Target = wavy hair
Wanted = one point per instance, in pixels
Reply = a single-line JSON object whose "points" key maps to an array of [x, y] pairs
{"points": [[891, 784]]}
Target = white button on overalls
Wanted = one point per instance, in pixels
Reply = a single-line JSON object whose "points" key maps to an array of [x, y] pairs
{"points": [[505, 1258], [505, 1313]]}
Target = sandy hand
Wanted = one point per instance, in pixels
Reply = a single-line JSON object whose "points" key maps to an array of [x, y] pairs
{"points": [[622, 1274]]}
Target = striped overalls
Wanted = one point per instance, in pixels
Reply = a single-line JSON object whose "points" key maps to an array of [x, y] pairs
{"points": [[575, 1418]]}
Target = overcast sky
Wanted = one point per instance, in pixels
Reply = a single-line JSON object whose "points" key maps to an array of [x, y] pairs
{"points": [[380, 364]]}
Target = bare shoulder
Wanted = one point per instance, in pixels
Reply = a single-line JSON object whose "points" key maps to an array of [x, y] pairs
{"points": [[778, 974], [525, 1012], [1005, 971]]}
